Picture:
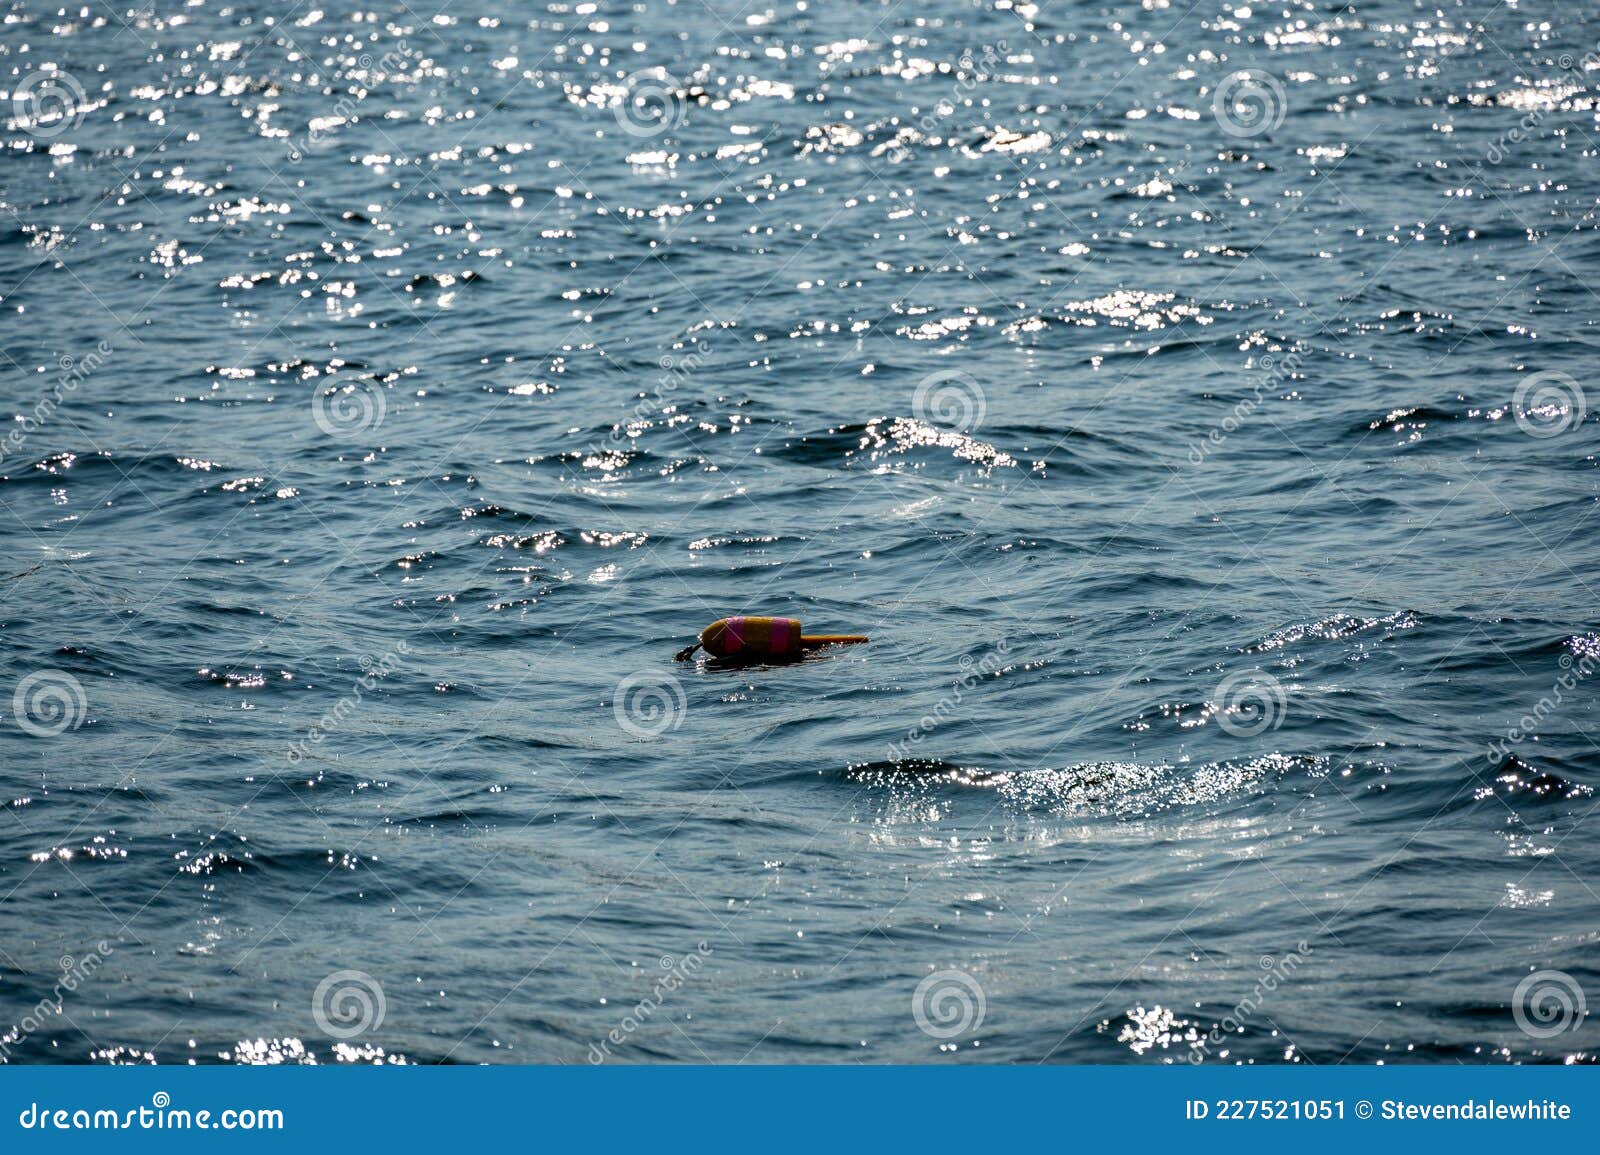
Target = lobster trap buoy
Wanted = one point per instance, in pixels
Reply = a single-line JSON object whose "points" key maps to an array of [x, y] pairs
{"points": [[762, 639]]}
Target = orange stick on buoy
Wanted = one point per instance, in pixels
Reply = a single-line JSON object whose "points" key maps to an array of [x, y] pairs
{"points": [[758, 639]]}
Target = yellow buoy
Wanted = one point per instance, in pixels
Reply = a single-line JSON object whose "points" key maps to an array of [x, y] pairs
{"points": [[762, 639]]}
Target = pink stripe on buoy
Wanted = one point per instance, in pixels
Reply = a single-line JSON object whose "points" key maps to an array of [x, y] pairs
{"points": [[780, 635], [735, 633]]}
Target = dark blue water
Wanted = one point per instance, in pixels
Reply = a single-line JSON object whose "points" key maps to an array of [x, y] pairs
{"points": [[1188, 401]]}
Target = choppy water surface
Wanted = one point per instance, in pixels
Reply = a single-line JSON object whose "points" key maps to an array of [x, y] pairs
{"points": [[1189, 401]]}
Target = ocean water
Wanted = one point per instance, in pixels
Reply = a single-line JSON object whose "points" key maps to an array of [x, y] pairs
{"points": [[1189, 401]]}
